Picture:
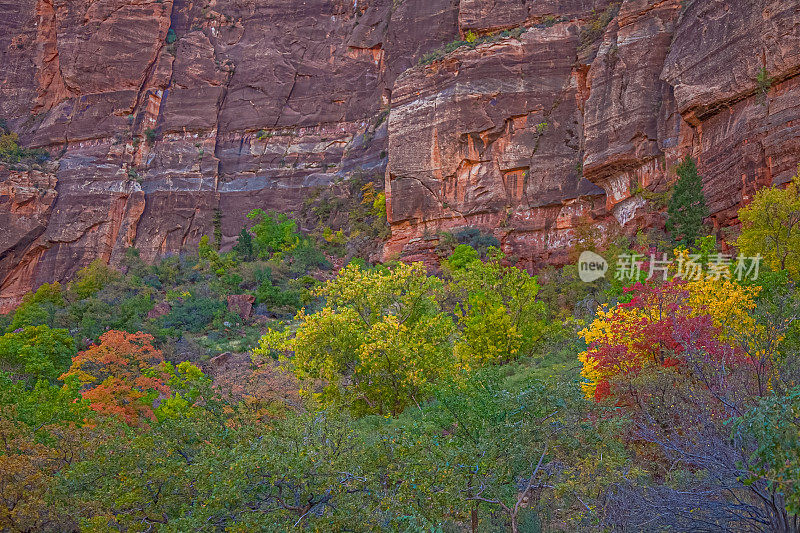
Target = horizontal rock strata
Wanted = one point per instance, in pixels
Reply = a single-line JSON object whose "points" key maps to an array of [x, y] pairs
{"points": [[168, 120]]}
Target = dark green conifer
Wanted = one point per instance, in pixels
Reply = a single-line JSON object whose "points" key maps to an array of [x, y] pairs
{"points": [[244, 246], [687, 206]]}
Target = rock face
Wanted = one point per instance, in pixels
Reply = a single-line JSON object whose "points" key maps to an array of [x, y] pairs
{"points": [[492, 137], [170, 119], [535, 137], [241, 304], [159, 310]]}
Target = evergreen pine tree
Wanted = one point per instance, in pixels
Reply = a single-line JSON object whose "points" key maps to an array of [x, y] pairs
{"points": [[687, 206], [244, 245]]}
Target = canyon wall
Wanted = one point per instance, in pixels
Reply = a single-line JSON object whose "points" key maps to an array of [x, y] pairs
{"points": [[168, 120]]}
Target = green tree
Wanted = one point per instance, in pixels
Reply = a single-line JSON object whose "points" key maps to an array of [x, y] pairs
{"points": [[39, 307], [42, 432], [273, 295], [274, 233], [687, 206], [92, 278], [499, 318], [244, 246], [774, 424], [771, 227], [500, 442], [305, 256], [211, 470], [192, 314], [140, 479], [11, 152], [119, 305], [462, 255], [378, 344], [36, 352]]}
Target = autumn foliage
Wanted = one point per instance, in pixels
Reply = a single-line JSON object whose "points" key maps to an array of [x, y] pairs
{"points": [[386, 335], [665, 325], [402, 399], [117, 375]]}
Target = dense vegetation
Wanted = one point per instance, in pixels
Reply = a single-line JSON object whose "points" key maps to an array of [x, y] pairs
{"points": [[16, 157], [388, 397]]}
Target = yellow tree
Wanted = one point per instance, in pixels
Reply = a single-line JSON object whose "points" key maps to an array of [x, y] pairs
{"points": [[771, 227], [378, 344], [499, 318]]}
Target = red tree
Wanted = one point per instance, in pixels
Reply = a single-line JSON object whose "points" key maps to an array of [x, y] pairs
{"points": [[118, 376]]}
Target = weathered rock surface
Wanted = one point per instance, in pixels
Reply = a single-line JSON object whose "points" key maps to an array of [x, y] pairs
{"points": [[169, 117], [166, 113], [665, 80], [491, 137], [241, 304], [159, 310]]}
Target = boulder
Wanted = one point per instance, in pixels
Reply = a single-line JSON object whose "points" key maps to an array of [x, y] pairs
{"points": [[159, 310], [241, 304]]}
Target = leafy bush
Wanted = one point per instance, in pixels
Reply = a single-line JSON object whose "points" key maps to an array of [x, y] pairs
{"points": [[349, 222], [36, 352], [550, 21], [379, 342], [38, 308], [174, 270], [463, 255], [475, 238], [281, 295], [565, 295], [498, 315], [307, 256], [471, 40], [274, 233], [273, 296], [771, 227], [244, 246], [122, 304], [597, 26], [773, 424], [764, 83], [11, 152], [92, 278], [665, 326], [193, 314]]}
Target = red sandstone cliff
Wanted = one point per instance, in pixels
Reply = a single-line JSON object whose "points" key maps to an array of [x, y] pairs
{"points": [[255, 102], [530, 137]]}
